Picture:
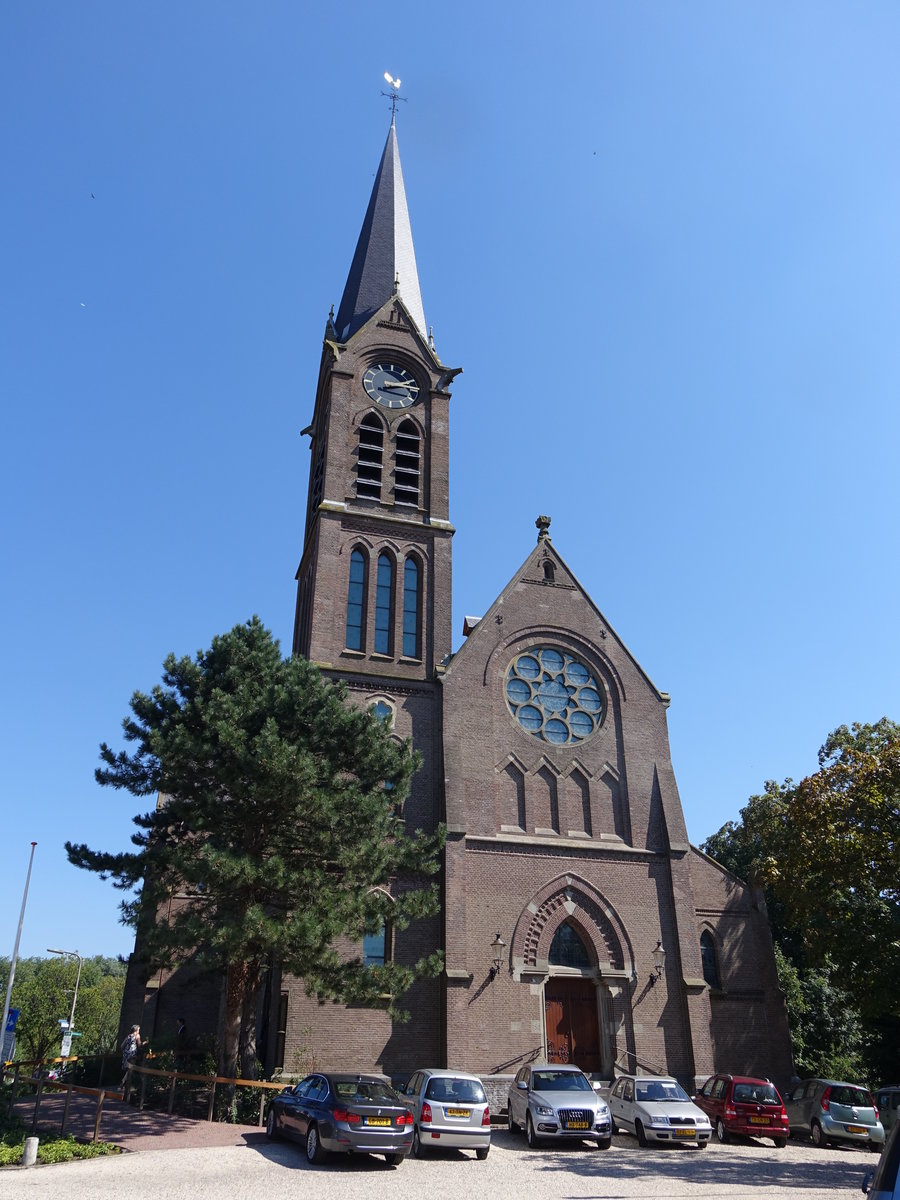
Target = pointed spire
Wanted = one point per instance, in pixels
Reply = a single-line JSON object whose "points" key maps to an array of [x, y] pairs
{"points": [[385, 261]]}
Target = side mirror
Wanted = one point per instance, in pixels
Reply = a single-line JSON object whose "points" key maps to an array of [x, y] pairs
{"points": [[522, 1085], [285, 1091], [867, 1180]]}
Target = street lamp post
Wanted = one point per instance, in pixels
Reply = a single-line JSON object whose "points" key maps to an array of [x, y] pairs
{"points": [[67, 1041], [15, 953]]}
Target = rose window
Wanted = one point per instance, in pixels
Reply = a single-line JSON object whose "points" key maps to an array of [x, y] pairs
{"points": [[554, 696]]}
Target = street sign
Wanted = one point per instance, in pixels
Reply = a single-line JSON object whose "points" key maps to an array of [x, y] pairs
{"points": [[9, 1035], [66, 1046]]}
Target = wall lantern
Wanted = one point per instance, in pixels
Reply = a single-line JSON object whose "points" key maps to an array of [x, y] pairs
{"points": [[497, 947], [659, 959]]}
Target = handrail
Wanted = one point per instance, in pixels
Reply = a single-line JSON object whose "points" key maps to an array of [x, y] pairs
{"points": [[210, 1080]]}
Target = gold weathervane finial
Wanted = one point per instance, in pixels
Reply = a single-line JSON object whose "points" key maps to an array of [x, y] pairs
{"points": [[394, 94]]}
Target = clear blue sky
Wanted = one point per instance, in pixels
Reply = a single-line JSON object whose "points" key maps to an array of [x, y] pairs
{"points": [[662, 240]]}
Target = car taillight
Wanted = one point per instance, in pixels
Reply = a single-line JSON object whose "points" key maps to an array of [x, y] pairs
{"points": [[405, 1119], [826, 1098], [342, 1114], [730, 1110], [426, 1113], [782, 1116], [486, 1117]]}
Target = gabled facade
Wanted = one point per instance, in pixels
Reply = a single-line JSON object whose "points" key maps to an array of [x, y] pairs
{"points": [[545, 751]]}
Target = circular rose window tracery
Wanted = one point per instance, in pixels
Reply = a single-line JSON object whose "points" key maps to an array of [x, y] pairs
{"points": [[554, 696]]}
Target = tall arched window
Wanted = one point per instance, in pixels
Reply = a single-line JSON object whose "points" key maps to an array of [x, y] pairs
{"points": [[376, 947], [568, 950], [708, 959], [384, 604], [406, 464], [369, 459], [411, 607], [356, 602]]}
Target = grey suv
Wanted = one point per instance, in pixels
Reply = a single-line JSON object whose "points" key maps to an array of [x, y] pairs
{"points": [[549, 1100], [831, 1111]]}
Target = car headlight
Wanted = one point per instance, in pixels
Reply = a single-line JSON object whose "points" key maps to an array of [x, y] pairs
{"points": [[602, 1111], [543, 1111], [659, 1119]]}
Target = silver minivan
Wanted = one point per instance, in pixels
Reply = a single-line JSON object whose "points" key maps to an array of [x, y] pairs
{"points": [[888, 1101], [832, 1111]]}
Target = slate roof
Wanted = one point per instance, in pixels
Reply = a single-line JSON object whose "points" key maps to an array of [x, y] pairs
{"points": [[384, 252]]}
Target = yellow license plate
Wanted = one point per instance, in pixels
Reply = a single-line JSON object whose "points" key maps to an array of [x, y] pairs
{"points": [[856, 1129], [376, 1120], [458, 1112], [577, 1125], [684, 1133], [759, 1120]]}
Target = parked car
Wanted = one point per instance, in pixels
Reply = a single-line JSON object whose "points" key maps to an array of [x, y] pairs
{"points": [[739, 1104], [888, 1101], [832, 1111], [549, 1100], [348, 1114], [884, 1182], [450, 1110], [657, 1108]]}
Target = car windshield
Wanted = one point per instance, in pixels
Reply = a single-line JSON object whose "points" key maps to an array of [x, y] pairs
{"points": [[755, 1093], [559, 1081], [855, 1097], [364, 1092], [455, 1091], [660, 1089]]}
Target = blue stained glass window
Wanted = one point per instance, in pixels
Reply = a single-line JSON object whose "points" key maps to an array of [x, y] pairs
{"points": [[411, 609], [356, 600], [384, 604], [382, 711], [554, 696], [375, 948], [568, 950]]}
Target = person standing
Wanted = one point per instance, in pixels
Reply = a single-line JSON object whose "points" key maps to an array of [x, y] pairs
{"points": [[131, 1048]]}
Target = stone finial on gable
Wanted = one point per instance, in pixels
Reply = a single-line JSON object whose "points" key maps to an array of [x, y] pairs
{"points": [[543, 528]]}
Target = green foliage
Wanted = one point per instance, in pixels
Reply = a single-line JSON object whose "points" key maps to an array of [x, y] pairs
{"points": [[51, 1148], [280, 817], [42, 992], [826, 852]]}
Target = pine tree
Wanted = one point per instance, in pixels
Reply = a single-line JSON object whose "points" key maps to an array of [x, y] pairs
{"points": [[279, 818]]}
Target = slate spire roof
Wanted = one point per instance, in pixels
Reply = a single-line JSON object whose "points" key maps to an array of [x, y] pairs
{"points": [[384, 252]]}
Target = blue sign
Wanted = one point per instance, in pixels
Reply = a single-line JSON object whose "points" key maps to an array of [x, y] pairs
{"points": [[9, 1035]]}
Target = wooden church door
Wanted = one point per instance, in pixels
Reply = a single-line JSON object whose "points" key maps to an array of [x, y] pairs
{"points": [[572, 1024]]}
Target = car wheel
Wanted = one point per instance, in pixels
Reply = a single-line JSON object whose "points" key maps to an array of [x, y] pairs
{"points": [[702, 1145], [315, 1152], [510, 1123], [417, 1150], [818, 1137], [780, 1143], [603, 1143], [639, 1133], [482, 1152], [876, 1147], [394, 1160], [530, 1135], [721, 1131], [271, 1126]]}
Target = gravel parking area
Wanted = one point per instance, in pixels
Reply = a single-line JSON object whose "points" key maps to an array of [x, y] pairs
{"points": [[258, 1169]]}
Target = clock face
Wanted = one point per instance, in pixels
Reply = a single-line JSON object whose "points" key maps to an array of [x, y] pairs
{"points": [[391, 385]]}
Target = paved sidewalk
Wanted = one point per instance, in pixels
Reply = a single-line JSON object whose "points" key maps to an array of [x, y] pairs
{"points": [[125, 1126]]}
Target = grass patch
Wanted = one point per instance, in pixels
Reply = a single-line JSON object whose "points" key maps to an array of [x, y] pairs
{"points": [[51, 1148]]}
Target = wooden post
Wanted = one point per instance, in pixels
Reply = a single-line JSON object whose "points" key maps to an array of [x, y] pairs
{"points": [[212, 1098], [143, 1091], [37, 1102], [65, 1120], [172, 1092], [126, 1087], [262, 1105], [100, 1100], [15, 1088]]}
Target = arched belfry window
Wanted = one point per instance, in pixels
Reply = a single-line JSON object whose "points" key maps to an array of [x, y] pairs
{"points": [[709, 959], [356, 602], [407, 464], [412, 593], [568, 950], [370, 457], [384, 604]]}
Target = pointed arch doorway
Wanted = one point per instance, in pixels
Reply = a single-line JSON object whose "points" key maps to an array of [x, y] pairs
{"points": [[572, 1005]]}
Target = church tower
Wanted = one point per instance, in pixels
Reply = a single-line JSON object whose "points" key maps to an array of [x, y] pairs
{"points": [[373, 594]]}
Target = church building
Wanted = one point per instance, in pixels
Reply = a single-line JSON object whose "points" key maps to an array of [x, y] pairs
{"points": [[578, 923]]}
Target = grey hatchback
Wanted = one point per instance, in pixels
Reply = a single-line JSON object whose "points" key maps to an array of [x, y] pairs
{"points": [[450, 1111], [832, 1111]]}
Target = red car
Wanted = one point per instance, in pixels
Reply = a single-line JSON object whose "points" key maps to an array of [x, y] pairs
{"points": [[737, 1104]]}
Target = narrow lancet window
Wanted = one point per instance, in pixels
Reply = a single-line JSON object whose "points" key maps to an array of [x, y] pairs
{"points": [[384, 604], [411, 606], [708, 959], [370, 456], [356, 602], [406, 465]]}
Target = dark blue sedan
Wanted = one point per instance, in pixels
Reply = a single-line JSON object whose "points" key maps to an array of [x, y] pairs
{"points": [[348, 1114]]}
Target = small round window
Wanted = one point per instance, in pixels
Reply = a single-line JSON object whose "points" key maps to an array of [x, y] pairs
{"points": [[554, 696]]}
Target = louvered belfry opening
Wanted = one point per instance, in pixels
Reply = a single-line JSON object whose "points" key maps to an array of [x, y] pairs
{"points": [[407, 464], [370, 458]]}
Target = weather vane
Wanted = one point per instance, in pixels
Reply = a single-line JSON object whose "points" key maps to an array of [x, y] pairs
{"points": [[394, 94]]}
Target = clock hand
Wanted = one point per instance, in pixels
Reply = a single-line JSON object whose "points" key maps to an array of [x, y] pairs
{"points": [[410, 387]]}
